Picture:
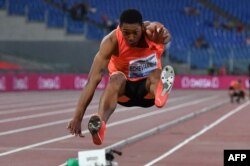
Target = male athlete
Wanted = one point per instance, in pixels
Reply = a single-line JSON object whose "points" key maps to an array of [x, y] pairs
{"points": [[236, 90], [132, 53]]}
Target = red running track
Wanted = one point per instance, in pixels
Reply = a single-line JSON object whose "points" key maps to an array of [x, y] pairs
{"points": [[193, 129]]}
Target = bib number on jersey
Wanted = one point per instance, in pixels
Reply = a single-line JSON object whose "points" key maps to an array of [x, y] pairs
{"points": [[142, 67]]}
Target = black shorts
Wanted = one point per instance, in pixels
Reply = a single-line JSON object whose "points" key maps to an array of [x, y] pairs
{"points": [[136, 91], [237, 93]]}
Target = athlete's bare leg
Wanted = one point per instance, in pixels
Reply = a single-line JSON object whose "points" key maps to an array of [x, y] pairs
{"points": [[108, 101], [152, 81]]}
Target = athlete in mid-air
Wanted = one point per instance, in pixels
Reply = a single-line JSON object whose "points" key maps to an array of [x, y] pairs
{"points": [[132, 53]]}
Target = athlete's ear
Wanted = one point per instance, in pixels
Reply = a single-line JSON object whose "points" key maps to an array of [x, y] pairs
{"points": [[120, 25]]}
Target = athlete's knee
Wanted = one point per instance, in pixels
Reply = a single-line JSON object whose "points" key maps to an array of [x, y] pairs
{"points": [[117, 81], [118, 78]]}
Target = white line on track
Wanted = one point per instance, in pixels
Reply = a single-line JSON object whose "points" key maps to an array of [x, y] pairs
{"points": [[36, 107], [36, 115], [52, 123], [93, 105], [186, 141], [163, 110], [157, 129], [64, 121], [134, 138], [35, 103], [41, 115]]}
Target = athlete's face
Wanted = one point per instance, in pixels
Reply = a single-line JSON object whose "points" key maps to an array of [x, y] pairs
{"points": [[132, 33]]}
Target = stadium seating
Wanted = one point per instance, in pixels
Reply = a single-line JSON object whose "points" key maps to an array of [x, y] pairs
{"points": [[236, 8], [184, 28], [2, 4]]}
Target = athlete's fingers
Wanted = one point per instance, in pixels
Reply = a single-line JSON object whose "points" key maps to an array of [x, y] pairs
{"points": [[69, 126], [77, 132], [71, 129], [148, 32], [161, 34], [160, 31], [168, 38]]}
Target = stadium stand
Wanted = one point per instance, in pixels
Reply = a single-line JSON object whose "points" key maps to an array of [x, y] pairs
{"points": [[236, 8], [225, 37]]}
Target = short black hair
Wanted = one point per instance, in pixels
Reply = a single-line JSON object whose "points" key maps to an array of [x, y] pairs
{"points": [[131, 16]]}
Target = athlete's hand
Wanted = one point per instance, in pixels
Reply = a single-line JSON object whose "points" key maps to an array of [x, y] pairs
{"points": [[75, 128], [158, 33]]}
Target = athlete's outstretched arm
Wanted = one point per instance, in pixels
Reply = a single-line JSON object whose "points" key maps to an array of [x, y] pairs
{"points": [[97, 70]]}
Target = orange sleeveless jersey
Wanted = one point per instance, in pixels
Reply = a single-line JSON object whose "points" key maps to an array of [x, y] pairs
{"points": [[236, 85], [135, 63]]}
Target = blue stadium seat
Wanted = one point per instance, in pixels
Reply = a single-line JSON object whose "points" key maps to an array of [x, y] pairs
{"points": [[17, 7], [36, 11], [184, 29], [2, 4], [74, 27]]}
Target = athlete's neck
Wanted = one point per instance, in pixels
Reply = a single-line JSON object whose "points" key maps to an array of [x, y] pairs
{"points": [[142, 43]]}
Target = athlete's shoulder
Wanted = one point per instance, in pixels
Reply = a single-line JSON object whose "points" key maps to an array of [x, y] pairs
{"points": [[110, 37], [109, 44]]}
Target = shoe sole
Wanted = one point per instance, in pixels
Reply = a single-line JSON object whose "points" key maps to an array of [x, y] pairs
{"points": [[94, 126], [167, 78]]}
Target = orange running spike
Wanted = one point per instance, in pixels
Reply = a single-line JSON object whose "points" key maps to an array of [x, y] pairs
{"points": [[164, 86], [97, 128]]}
